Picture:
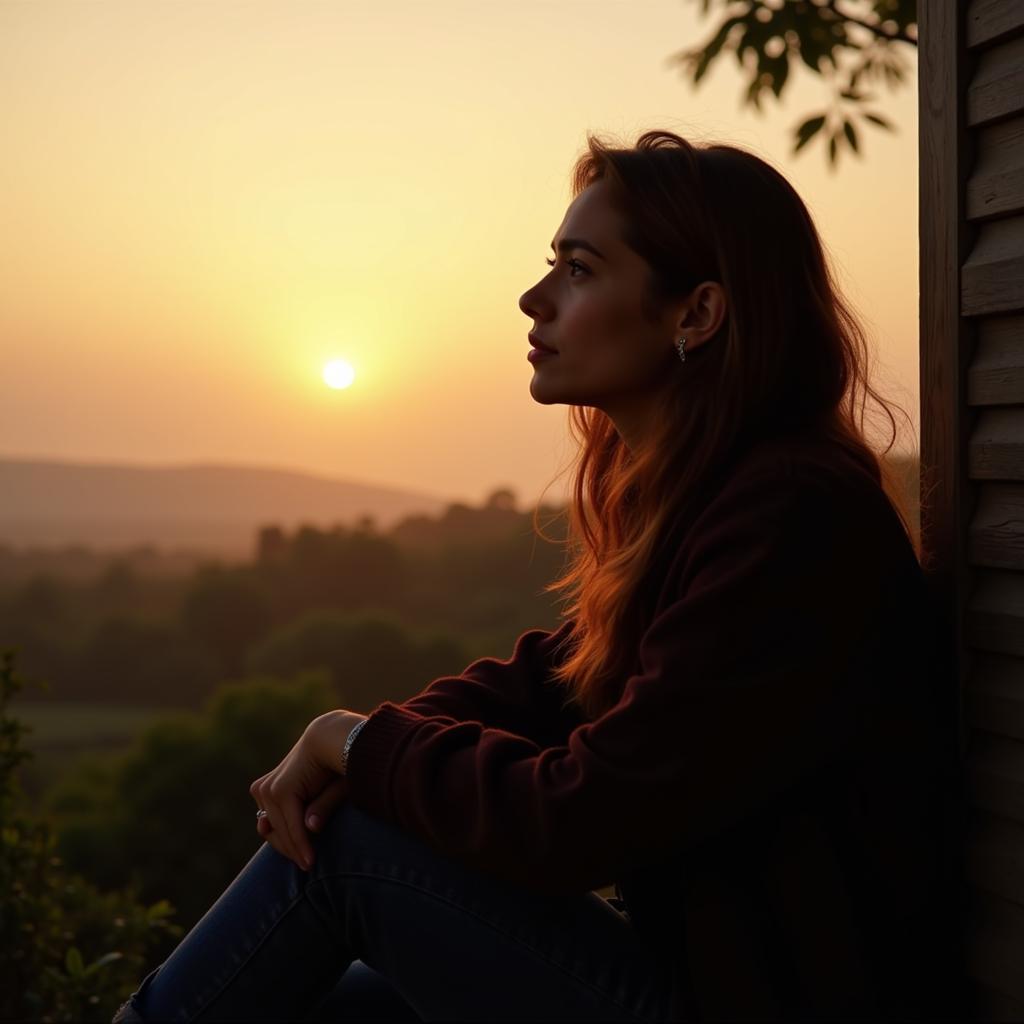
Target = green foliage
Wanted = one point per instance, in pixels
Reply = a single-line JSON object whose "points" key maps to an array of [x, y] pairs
{"points": [[67, 951], [340, 568], [475, 577], [226, 609], [37, 617], [138, 662], [371, 655], [174, 816], [766, 35]]}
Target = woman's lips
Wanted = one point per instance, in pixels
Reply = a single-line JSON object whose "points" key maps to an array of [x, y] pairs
{"points": [[537, 354], [539, 350]]}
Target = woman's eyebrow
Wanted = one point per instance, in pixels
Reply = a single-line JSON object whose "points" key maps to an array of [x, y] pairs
{"points": [[578, 243]]}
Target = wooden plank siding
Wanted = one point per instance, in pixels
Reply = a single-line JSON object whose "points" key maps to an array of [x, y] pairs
{"points": [[996, 374], [988, 21], [971, 133]]}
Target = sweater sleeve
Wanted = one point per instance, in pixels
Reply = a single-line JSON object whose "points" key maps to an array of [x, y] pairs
{"points": [[516, 695], [743, 689]]}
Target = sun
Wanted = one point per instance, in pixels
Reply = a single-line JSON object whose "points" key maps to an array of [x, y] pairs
{"points": [[339, 374]]}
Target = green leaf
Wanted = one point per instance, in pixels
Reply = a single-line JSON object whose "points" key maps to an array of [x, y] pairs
{"points": [[811, 54], [754, 92], [73, 963], [850, 134], [710, 51], [877, 119], [805, 132], [98, 965], [780, 72], [893, 74], [160, 909]]}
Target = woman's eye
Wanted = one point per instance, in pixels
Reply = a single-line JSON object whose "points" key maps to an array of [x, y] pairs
{"points": [[573, 264]]}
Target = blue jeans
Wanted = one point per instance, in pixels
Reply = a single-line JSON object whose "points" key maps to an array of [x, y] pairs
{"points": [[384, 927]]}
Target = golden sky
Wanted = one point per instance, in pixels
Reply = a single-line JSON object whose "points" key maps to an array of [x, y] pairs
{"points": [[202, 203]]}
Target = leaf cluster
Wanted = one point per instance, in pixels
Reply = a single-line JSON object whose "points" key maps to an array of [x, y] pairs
{"points": [[187, 779], [851, 48], [67, 951]]}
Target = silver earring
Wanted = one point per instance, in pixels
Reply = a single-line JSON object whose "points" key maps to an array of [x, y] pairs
{"points": [[681, 345]]}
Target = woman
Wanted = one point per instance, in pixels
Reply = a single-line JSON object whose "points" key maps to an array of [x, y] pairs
{"points": [[739, 723]]}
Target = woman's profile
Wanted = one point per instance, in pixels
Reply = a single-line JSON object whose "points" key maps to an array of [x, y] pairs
{"points": [[738, 723]]}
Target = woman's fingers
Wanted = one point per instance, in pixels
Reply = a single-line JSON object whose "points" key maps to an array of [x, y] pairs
{"points": [[282, 827], [326, 803], [276, 834], [271, 825], [291, 811], [276, 844], [285, 792], [273, 839], [316, 815]]}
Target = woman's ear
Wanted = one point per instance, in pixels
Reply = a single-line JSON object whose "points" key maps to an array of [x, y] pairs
{"points": [[704, 315]]}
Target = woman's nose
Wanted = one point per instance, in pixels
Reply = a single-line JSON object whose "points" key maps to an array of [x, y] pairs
{"points": [[529, 302]]}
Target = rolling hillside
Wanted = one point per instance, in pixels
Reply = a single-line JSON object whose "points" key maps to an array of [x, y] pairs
{"points": [[209, 507]]}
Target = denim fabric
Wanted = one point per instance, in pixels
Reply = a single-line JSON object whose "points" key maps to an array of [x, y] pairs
{"points": [[384, 927]]}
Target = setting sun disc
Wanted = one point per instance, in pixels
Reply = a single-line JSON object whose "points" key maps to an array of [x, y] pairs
{"points": [[339, 374]]}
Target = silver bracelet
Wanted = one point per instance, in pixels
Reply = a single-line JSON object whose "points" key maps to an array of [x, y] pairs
{"points": [[348, 744]]}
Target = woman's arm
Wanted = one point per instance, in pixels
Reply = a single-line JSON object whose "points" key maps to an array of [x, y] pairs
{"points": [[745, 691], [516, 695]]}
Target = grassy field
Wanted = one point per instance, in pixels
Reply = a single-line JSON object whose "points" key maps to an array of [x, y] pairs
{"points": [[59, 724], [63, 732]]}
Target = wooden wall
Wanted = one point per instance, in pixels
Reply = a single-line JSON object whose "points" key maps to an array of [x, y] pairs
{"points": [[971, 106]]}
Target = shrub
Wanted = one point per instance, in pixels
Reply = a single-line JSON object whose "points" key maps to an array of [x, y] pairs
{"points": [[172, 816], [68, 952]]}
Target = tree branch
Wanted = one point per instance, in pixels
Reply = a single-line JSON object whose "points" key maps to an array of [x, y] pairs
{"points": [[895, 37]]}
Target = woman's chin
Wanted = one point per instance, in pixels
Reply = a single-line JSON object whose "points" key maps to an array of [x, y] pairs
{"points": [[543, 393]]}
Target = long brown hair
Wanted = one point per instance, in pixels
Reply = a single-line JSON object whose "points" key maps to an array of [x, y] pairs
{"points": [[789, 357]]}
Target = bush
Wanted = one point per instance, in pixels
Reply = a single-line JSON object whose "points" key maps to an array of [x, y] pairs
{"points": [[67, 951], [173, 816], [372, 655]]}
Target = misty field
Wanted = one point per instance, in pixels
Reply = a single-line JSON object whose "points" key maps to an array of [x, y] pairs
{"points": [[61, 732]]}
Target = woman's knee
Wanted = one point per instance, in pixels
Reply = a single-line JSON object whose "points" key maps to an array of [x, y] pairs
{"points": [[351, 836]]}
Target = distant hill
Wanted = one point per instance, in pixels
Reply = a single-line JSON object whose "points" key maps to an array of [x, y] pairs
{"points": [[207, 508], [196, 507]]}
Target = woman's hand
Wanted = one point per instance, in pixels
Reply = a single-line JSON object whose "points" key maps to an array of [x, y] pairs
{"points": [[307, 776]]}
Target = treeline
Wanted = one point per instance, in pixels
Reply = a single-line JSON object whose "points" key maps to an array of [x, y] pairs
{"points": [[383, 613]]}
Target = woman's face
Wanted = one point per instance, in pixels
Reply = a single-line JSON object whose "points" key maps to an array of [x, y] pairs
{"points": [[588, 309]]}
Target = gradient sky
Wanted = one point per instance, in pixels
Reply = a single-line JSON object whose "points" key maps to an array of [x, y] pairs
{"points": [[203, 203]]}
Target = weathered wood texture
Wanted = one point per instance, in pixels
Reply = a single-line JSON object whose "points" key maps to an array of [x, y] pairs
{"points": [[971, 89], [993, 275], [996, 374], [996, 447], [996, 533], [996, 184], [996, 87], [988, 21], [995, 700]]}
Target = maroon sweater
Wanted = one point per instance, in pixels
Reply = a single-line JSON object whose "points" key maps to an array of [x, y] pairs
{"points": [[766, 794]]}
